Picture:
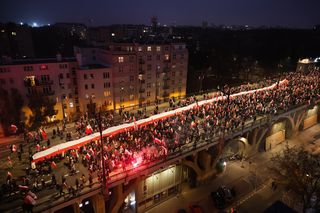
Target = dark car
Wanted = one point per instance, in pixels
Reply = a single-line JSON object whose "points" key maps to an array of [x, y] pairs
{"points": [[226, 193], [196, 209], [218, 200]]}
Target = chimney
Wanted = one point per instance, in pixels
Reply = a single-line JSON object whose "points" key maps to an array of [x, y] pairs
{"points": [[59, 57]]}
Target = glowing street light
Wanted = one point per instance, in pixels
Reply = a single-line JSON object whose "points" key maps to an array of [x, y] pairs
{"points": [[35, 24]]}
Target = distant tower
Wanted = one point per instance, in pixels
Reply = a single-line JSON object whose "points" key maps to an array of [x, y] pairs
{"points": [[154, 23]]}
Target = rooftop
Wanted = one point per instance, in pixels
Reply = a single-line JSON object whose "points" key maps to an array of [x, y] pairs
{"points": [[94, 66], [8, 61]]}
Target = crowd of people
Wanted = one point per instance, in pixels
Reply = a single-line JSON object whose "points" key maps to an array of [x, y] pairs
{"points": [[159, 139]]}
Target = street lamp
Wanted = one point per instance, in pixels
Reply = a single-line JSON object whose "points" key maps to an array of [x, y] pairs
{"points": [[104, 179]]}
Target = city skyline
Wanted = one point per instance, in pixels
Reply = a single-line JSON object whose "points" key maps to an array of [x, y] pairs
{"points": [[292, 14]]}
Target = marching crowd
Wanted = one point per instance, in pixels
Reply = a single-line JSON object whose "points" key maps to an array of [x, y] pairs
{"points": [[157, 140]]}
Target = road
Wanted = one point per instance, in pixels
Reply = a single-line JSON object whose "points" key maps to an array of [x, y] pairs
{"points": [[253, 186]]}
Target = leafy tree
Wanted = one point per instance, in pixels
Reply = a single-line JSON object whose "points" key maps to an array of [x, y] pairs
{"points": [[299, 171], [41, 107], [5, 117]]}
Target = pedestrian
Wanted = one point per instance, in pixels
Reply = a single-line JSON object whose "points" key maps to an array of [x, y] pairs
{"points": [[90, 180], [48, 143], [19, 155], [77, 184], [53, 180]]}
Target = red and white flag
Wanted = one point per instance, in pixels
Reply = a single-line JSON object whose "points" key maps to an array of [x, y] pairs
{"points": [[135, 123], [43, 133], [88, 129], [53, 165], [14, 148], [13, 128], [38, 147]]}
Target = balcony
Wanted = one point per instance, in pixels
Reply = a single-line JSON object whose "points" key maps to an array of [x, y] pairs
{"points": [[142, 99], [141, 61], [166, 78], [142, 81], [49, 93], [48, 82], [142, 72], [166, 69], [142, 90], [165, 86]]}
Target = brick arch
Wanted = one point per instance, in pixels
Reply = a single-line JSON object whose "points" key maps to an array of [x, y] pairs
{"points": [[293, 121], [242, 143]]}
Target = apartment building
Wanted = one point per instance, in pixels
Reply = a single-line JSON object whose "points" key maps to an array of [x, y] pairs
{"points": [[51, 77], [121, 75], [141, 73]]}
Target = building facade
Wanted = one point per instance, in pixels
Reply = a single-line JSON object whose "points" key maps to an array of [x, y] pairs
{"points": [[121, 75], [52, 77]]}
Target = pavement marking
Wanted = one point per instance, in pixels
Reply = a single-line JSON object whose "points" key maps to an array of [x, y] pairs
{"points": [[238, 203]]}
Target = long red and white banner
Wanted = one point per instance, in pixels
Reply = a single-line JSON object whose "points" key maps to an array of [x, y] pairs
{"points": [[75, 144]]}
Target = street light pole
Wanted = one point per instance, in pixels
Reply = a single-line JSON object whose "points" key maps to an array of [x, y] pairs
{"points": [[104, 179]]}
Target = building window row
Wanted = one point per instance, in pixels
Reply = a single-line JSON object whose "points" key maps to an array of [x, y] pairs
{"points": [[106, 75], [120, 59], [63, 66], [28, 68], [86, 86], [106, 85], [4, 69]]}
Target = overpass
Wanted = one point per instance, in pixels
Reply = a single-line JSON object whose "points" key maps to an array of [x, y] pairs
{"points": [[144, 186]]}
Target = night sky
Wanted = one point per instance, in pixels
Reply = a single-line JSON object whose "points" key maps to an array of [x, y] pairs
{"points": [[288, 13]]}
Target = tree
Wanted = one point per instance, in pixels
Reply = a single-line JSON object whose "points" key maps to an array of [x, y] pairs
{"points": [[42, 107], [300, 172], [5, 117]]}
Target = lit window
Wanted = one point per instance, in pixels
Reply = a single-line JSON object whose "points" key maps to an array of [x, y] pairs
{"points": [[158, 49], [131, 97], [43, 67], [139, 49], [149, 48], [166, 57], [106, 93], [120, 59]]}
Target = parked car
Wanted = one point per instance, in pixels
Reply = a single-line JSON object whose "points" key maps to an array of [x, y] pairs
{"points": [[218, 200], [196, 209], [226, 193], [223, 196], [181, 211]]}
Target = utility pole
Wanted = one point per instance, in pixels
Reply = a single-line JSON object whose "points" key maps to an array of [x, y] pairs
{"points": [[104, 187]]}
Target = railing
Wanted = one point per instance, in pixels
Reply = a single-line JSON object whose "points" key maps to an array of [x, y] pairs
{"points": [[141, 61], [142, 90], [142, 72], [47, 82], [166, 69], [186, 150], [165, 87]]}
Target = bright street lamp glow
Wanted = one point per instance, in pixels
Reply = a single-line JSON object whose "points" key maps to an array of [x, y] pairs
{"points": [[224, 163], [35, 24]]}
